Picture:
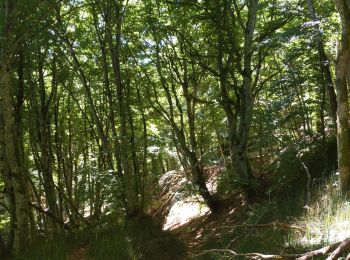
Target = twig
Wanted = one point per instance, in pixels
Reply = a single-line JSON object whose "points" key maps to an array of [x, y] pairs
{"points": [[247, 255], [49, 214], [267, 225]]}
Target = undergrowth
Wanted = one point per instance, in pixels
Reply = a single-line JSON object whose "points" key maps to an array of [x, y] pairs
{"points": [[138, 239], [53, 249], [327, 218]]}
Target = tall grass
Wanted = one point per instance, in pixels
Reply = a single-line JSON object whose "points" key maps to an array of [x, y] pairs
{"points": [[327, 219], [141, 238], [98, 243], [112, 243], [53, 249]]}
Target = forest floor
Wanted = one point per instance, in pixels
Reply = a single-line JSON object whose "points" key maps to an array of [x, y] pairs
{"points": [[197, 232], [213, 236], [254, 228], [321, 231], [80, 252], [282, 221]]}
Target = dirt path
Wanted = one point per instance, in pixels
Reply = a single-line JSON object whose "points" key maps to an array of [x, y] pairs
{"points": [[198, 231], [79, 253]]}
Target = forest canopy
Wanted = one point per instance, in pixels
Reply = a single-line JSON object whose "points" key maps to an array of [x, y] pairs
{"points": [[102, 102]]}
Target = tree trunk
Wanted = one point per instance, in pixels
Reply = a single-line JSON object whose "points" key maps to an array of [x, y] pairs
{"points": [[14, 159], [247, 102], [45, 142], [242, 107], [198, 178], [113, 27], [6, 177], [342, 69]]}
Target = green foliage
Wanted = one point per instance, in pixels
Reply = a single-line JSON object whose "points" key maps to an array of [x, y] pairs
{"points": [[68, 60], [226, 182]]}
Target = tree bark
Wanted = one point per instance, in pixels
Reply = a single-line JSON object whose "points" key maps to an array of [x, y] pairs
{"points": [[10, 130], [6, 177], [14, 158], [174, 115], [114, 20], [342, 69], [44, 134], [238, 110]]}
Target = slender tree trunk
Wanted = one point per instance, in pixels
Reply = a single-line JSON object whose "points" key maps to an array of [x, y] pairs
{"points": [[241, 144], [342, 69], [107, 84], [188, 148], [44, 133], [11, 120], [87, 90], [59, 157], [113, 27], [144, 180], [198, 178]]}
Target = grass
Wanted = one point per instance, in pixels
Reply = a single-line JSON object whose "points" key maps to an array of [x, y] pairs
{"points": [[327, 219], [98, 243], [243, 239], [141, 238], [111, 244], [150, 242], [55, 249]]}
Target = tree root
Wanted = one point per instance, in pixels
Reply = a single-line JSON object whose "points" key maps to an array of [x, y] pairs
{"points": [[335, 250]]}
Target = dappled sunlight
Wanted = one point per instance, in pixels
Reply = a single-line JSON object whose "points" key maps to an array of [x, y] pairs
{"points": [[327, 220], [183, 211], [186, 208], [329, 228]]}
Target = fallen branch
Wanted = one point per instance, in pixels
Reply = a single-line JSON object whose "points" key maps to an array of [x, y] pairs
{"points": [[49, 214], [319, 252], [256, 256], [336, 250], [268, 225], [342, 248]]}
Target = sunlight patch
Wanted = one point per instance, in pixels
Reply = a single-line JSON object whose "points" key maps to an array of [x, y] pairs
{"points": [[327, 220], [184, 211]]}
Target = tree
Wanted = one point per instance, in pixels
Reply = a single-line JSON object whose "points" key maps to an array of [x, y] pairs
{"points": [[12, 125], [179, 79], [341, 72]]}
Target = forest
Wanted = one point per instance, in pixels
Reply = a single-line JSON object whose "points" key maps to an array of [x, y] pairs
{"points": [[174, 129]]}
